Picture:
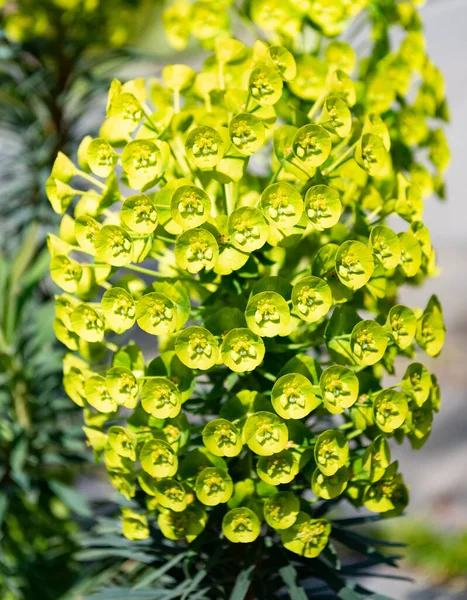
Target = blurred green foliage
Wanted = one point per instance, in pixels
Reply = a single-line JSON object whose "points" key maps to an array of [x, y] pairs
{"points": [[439, 553], [40, 436], [56, 58]]}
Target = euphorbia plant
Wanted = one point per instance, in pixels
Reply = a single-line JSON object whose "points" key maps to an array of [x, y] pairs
{"points": [[236, 222]]}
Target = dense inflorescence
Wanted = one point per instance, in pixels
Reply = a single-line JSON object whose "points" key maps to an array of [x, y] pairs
{"points": [[236, 221]]}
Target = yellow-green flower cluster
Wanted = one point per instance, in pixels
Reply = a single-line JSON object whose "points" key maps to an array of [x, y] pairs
{"points": [[235, 219], [112, 22]]}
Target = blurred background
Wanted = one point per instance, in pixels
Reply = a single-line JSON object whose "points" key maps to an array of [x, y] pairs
{"points": [[56, 63]]}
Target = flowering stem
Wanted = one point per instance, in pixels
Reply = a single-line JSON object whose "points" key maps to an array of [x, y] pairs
{"points": [[341, 160], [90, 178], [354, 434], [143, 270], [176, 99], [276, 174], [317, 105], [230, 197]]}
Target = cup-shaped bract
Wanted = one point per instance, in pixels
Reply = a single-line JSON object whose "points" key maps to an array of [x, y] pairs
{"points": [[197, 348], [284, 62], [339, 388], [97, 395], [190, 206], [431, 330], [247, 133], [323, 206], [417, 383], [134, 525], [354, 264], [282, 205], [101, 157], [188, 523], [242, 350], [158, 459], [278, 468], [114, 245], [311, 299], [411, 254], [368, 342], [267, 314], [204, 147], [328, 487], [156, 314], [293, 396], [372, 156], [310, 81], [119, 309], [86, 230], [64, 335], [195, 250], [312, 145], [241, 525], [170, 494], [122, 441], [161, 398], [140, 161], [375, 461], [307, 537], [178, 77], [386, 246], [66, 273], [139, 214], [331, 451], [248, 229], [222, 438], [265, 84], [390, 409], [265, 433], [123, 386], [213, 486], [87, 323], [281, 510], [336, 116], [387, 495]]}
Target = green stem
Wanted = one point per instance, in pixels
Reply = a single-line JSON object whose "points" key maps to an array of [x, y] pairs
{"points": [[276, 174], [163, 238], [341, 159], [375, 213], [317, 105], [230, 197], [176, 99], [354, 434], [148, 118], [143, 270], [348, 425], [90, 178]]}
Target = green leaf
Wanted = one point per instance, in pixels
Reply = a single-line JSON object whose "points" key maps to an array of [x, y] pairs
{"points": [[75, 501], [242, 584], [289, 576]]}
